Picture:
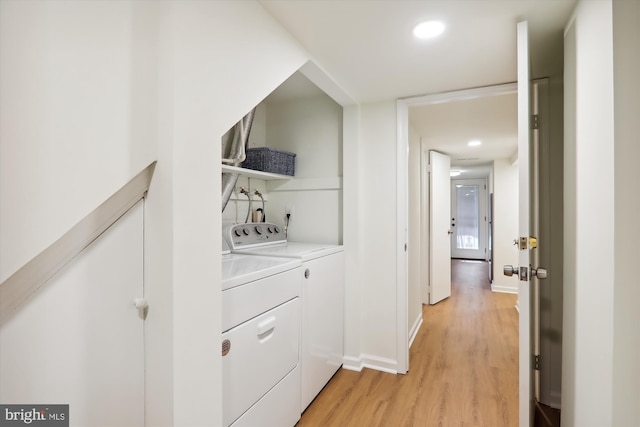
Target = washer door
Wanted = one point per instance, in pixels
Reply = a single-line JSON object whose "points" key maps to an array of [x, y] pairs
{"points": [[260, 352]]}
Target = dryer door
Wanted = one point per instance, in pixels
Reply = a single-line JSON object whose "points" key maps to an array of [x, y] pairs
{"points": [[260, 352]]}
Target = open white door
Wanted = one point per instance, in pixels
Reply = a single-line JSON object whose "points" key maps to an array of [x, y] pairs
{"points": [[439, 227], [528, 226], [525, 218]]}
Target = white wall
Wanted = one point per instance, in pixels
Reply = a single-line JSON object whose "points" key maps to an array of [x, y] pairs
{"points": [[91, 93], [377, 185], [353, 229], [505, 223], [590, 229], [208, 83], [312, 128], [77, 114], [569, 322], [626, 339]]}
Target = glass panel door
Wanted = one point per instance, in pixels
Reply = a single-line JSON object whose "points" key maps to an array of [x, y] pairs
{"points": [[468, 219]]}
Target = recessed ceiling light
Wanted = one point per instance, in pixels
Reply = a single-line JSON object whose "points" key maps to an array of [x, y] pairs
{"points": [[428, 29], [474, 143]]}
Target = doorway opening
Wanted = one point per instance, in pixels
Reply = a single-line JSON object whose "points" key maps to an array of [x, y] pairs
{"points": [[502, 180], [469, 219], [446, 123]]}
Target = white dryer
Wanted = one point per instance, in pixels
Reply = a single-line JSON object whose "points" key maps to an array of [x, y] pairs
{"points": [[260, 340], [323, 266]]}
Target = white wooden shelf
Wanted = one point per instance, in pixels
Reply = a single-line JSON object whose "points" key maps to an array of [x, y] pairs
{"points": [[250, 173], [306, 184]]}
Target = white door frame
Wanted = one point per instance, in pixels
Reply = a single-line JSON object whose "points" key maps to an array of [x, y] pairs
{"points": [[402, 222], [402, 228]]}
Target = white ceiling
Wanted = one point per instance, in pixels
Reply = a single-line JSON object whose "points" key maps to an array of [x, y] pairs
{"points": [[367, 47], [448, 127]]}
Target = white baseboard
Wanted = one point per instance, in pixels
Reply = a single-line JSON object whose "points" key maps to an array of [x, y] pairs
{"points": [[352, 363], [415, 328], [371, 362], [503, 289]]}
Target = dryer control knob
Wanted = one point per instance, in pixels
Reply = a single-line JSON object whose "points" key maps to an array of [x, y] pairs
{"points": [[258, 229], [226, 347]]}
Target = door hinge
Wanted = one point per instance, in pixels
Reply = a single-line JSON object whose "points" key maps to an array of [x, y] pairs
{"points": [[535, 121], [536, 362]]}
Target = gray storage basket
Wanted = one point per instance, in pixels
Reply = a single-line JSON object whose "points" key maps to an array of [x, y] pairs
{"points": [[268, 159]]}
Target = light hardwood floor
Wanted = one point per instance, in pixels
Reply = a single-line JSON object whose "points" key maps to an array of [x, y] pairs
{"points": [[463, 368]]}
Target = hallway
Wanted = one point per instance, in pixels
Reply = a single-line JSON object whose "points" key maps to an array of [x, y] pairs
{"points": [[463, 367]]}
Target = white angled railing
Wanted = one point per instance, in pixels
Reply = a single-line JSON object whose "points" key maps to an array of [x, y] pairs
{"points": [[25, 282]]}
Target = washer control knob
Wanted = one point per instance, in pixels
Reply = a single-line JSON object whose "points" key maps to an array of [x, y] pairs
{"points": [[259, 229], [237, 232], [245, 231], [276, 229], [269, 229]]}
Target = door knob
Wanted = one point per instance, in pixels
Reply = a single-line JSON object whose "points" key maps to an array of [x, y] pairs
{"points": [[540, 273], [142, 306], [140, 303], [510, 270]]}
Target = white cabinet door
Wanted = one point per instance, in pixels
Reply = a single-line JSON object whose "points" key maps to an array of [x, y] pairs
{"points": [[79, 341], [322, 323]]}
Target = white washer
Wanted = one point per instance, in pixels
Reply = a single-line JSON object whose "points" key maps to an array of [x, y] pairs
{"points": [[260, 340], [322, 348]]}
